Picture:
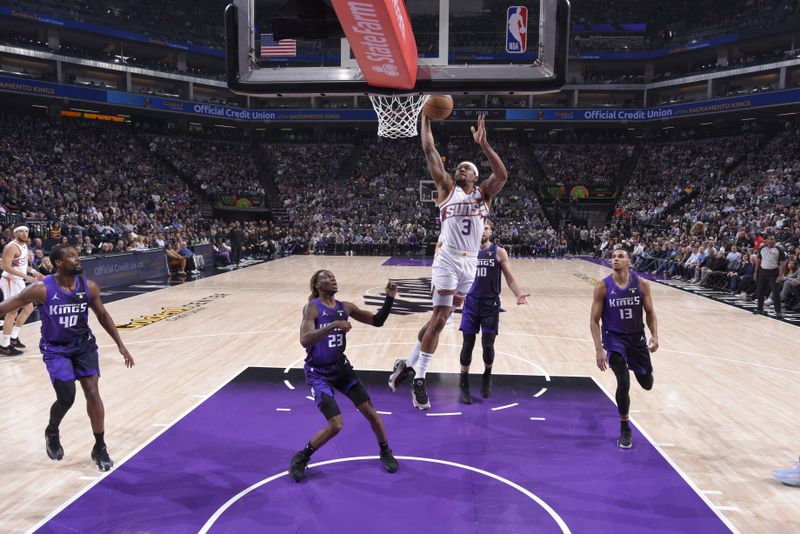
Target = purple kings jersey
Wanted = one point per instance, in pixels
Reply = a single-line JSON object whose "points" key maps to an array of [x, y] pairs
{"points": [[487, 275], [65, 319], [622, 308], [330, 349]]}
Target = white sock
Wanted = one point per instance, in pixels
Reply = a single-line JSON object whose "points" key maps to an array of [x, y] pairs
{"points": [[422, 365], [413, 356], [5, 341], [15, 332]]}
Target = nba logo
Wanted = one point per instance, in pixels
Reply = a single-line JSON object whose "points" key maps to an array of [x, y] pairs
{"points": [[516, 29]]}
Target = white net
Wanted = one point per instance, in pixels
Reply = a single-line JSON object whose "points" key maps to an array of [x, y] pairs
{"points": [[397, 114]]}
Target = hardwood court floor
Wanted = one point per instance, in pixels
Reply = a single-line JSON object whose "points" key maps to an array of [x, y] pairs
{"points": [[724, 406]]}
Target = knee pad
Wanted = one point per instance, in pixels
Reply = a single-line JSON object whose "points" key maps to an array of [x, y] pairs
{"points": [[646, 381], [487, 342], [329, 407], [466, 349], [65, 392]]}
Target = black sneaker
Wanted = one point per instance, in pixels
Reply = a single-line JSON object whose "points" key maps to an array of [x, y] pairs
{"points": [[399, 374], [624, 441], [298, 466], [53, 446], [486, 386], [389, 461], [100, 457], [10, 350], [464, 396], [15, 342], [418, 394]]}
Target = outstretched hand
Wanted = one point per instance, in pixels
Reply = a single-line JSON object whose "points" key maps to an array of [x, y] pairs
{"points": [[479, 135], [391, 289]]}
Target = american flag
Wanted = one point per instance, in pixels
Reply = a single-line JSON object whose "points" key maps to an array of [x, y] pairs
{"points": [[272, 48]]}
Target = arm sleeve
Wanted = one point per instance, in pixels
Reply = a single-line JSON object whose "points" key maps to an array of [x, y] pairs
{"points": [[379, 318]]}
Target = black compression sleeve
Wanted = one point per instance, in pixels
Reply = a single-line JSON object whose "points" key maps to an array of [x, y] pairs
{"points": [[379, 318]]}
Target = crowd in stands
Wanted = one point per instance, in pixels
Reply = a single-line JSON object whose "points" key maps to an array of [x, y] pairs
{"points": [[589, 165], [217, 168], [667, 173]]}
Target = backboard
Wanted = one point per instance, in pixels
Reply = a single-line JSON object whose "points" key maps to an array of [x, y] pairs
{"points": [[463, 47]]}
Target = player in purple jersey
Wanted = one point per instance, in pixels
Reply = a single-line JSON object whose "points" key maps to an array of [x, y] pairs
{"points": [[619, 300], [482, 311], [323, 334], [68, 346]]}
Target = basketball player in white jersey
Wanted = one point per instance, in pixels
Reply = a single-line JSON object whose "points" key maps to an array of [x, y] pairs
{"points": [[463, 207], [16, 271]]}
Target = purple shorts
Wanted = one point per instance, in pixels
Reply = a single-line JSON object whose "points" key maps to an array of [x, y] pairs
{"points": [[632, 347], [340, 376], [71, 367], [480, 314]]}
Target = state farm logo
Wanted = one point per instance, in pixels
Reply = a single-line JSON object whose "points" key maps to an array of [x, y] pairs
{"points": [[389, 69], [401, 20], [372, 36]]}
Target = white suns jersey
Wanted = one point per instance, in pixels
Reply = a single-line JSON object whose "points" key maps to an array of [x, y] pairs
{"points": [[463, 217], [20, 264]]}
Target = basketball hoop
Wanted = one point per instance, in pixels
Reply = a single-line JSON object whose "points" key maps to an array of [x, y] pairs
{"points": [[397, 114]]}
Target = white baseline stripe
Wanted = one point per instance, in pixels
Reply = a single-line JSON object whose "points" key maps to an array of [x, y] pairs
{"points": [[674, 465], [506, 406]]}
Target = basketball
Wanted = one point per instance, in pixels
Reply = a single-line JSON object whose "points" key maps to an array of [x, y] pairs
{"points": [[438, 107]]}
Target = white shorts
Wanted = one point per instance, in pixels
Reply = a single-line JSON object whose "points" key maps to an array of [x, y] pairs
{"points": [[452, 272], [11, 286]]}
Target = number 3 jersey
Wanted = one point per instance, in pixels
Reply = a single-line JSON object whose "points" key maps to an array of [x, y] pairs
{"points": [[463, 216], [330, 349], [65, 319], [622, 309]]}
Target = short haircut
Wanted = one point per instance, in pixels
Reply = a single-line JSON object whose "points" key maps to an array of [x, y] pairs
{"points": [[623, 249], [57, 252]]}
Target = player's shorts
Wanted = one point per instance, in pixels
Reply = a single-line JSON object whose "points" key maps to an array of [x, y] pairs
{"points": [[11, 286], [340, 376], [453, 271], [480, 315], [632, 347], [72, 366]]}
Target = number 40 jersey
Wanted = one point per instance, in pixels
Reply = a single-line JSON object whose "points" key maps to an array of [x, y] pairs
{"points": [[65, 319]]}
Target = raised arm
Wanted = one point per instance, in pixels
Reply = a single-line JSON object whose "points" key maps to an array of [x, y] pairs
{"points": [[650, 311], [495, 182], [375, 319], [505, 267], [443, 180], [310, 334], [594, 325], [107, 322]]}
